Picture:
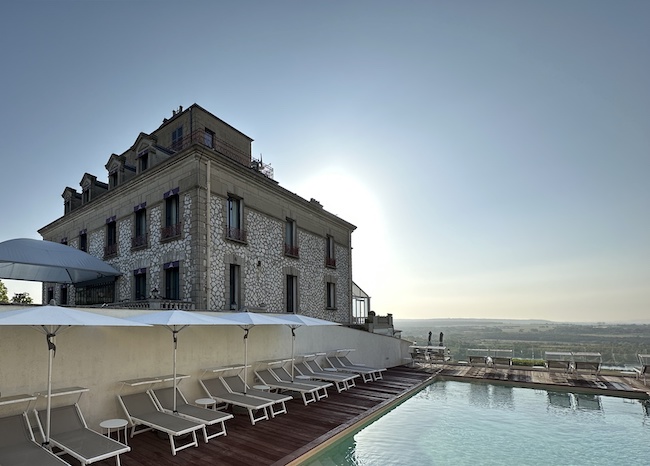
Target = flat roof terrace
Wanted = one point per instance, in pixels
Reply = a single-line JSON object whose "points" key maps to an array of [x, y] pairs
{"points": [[288, 436]]}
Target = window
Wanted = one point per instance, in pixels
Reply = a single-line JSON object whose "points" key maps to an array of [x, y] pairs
{"points": [[172, 280], [50, 294], [172, 228], [110, 249], [330, 260], [331, 295], [292, 293], [140, 279], [208, 138], [99, 293], [177, 138], [234, 287], [290, 238], [112, 180], [64, 241], [64, 295], [235, 219], [83, 240], [143, 162], [139, 240], [85, 196]]}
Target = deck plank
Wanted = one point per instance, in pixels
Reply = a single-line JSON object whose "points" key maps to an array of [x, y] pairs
{"points": [[274, 441]]}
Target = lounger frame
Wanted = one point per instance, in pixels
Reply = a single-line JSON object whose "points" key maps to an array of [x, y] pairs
{"points": [[154, 419], [216, 389], [71, 434], [211, 418]]}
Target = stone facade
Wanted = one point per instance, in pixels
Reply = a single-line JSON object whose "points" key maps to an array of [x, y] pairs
{"points": [[201, 249]]}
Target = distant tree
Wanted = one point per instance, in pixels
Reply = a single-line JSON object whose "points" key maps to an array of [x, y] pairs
{"points": [[22, 298], [3, 293]]}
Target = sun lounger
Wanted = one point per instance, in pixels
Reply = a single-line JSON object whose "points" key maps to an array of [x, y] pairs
{"points": [[236, 385], [70, 433], [141, 410], [342, 355], [18, 446], [644, 370], [367, 375], [587, 362], [284, 376], [558, 361], [308, 394], [309, 366], [164, 397], [218, 390]]}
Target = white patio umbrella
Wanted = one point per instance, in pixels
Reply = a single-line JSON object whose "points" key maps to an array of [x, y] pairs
{"points": [[175, 321], [247, 320], [46, 261], [52, 320], [293, 321]]}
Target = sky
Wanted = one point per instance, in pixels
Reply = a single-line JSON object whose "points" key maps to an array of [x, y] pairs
{"points": [[494, 155]]}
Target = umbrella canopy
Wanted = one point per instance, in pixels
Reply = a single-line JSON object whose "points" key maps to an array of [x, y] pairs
{"points": [[175, 321], [247, 320], [297, 320], [51, 320], [46, 261]]}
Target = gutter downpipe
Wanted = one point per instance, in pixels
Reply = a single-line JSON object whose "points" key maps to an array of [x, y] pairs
{"points": [[208, 236]]}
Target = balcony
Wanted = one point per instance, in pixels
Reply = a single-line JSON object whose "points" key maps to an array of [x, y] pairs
{"points": [[235, 234], [171, 232], [291, 250], [110, 250], [139, 242], [211, 141]]}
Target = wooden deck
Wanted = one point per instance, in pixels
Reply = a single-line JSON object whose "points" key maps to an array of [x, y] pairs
{"points": [[285, 438], [280, 440], [626, 386]]}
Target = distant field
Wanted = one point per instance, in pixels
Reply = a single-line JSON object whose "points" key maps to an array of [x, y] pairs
{"points": [[618, 344]]}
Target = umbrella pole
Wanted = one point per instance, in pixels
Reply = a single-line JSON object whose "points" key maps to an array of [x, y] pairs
{"points": [[293, 340], [245, 358], [175, 335], [51, 347]]}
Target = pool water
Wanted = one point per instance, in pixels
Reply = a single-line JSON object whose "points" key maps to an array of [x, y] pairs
{"points": [[457, 423]]}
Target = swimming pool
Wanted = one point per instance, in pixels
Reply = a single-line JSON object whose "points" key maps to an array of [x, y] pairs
{"points": [[458, 423]]}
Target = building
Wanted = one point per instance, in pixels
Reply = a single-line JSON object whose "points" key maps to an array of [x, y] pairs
{"points": [[194, 222]]}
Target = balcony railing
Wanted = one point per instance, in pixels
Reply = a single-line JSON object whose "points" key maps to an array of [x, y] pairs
{"points": [[138, 242], [151, 304], [110, 250], [213, 142], [291, 250], [330, 262], [170, 231], [236, 234]]}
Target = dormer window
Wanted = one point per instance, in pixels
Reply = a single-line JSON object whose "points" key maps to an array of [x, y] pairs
{"points": [[112, 180], [143, 160]]}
